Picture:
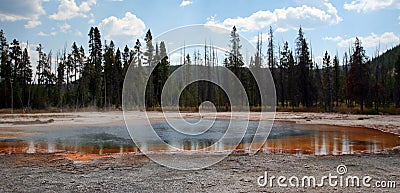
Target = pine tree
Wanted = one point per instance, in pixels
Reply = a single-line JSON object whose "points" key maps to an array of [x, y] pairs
{"points": [[149, 53], [76, 62], [109, 74], [291, 85], [258, 55], [85, 83], [5, 72], [235, 58], [40, 66], [346, 74], [161, 72], [95, 65], [26, 77], [151, 99], [69, 63], [61, 61], [283, 71], [138, 53], [254, 67], [118, 79], [318, 84], [303, 70], [336, 80], [358, 84], [271, 53], [82, 59], [15, 63], [82, 85], [126, 61], [327, 82], [69, 69]]}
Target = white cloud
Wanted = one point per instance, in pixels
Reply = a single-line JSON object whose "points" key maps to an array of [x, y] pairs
{"points": [[78, 33], [128, 28], [309, 17], [256, 21], [185, 3], [11, 17], [68, 9], [337, 38], [279, 29], [42, 34], [215, 26], [175, 58], [65, 27], [372, 40], [91, 20], [29, 10], [32, 24], [371, 5]]}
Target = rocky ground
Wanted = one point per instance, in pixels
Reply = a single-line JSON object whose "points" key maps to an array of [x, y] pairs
{"points": [[237, 173]]}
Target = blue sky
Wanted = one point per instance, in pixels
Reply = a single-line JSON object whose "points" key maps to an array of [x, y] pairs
{"points": [[330, 25]]}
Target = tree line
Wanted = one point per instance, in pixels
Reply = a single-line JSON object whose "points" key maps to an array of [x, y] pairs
{"points": [[72, 79]]}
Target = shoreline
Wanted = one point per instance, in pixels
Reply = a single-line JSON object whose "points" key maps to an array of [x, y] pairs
{"points": [[32, 122]]}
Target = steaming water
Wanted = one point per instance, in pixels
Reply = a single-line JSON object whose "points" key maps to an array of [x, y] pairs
{"points": [[283, 138]]}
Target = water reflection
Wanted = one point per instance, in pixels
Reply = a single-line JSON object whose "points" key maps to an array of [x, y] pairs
{"points": [[332, 140], [284, 138], [31, 148]]}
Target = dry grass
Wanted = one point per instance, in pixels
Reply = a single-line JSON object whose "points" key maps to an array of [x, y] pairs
{"points": [[342, 109], [57, 110]]}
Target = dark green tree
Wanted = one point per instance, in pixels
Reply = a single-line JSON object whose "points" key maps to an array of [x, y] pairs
{"points": [[95, 66], [346, 75], [76, 62], [138, 54], [358, 79], [60, 79], [109, 74], [291, 83], [271, 54], [304, 77], [15, 55], [118, 79], [161, 72], [283, 72], [126, 60], [149, 53], [26, 78], [82, 93], [5, 72], [327, 83], [336, 80], [151, 99]]}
